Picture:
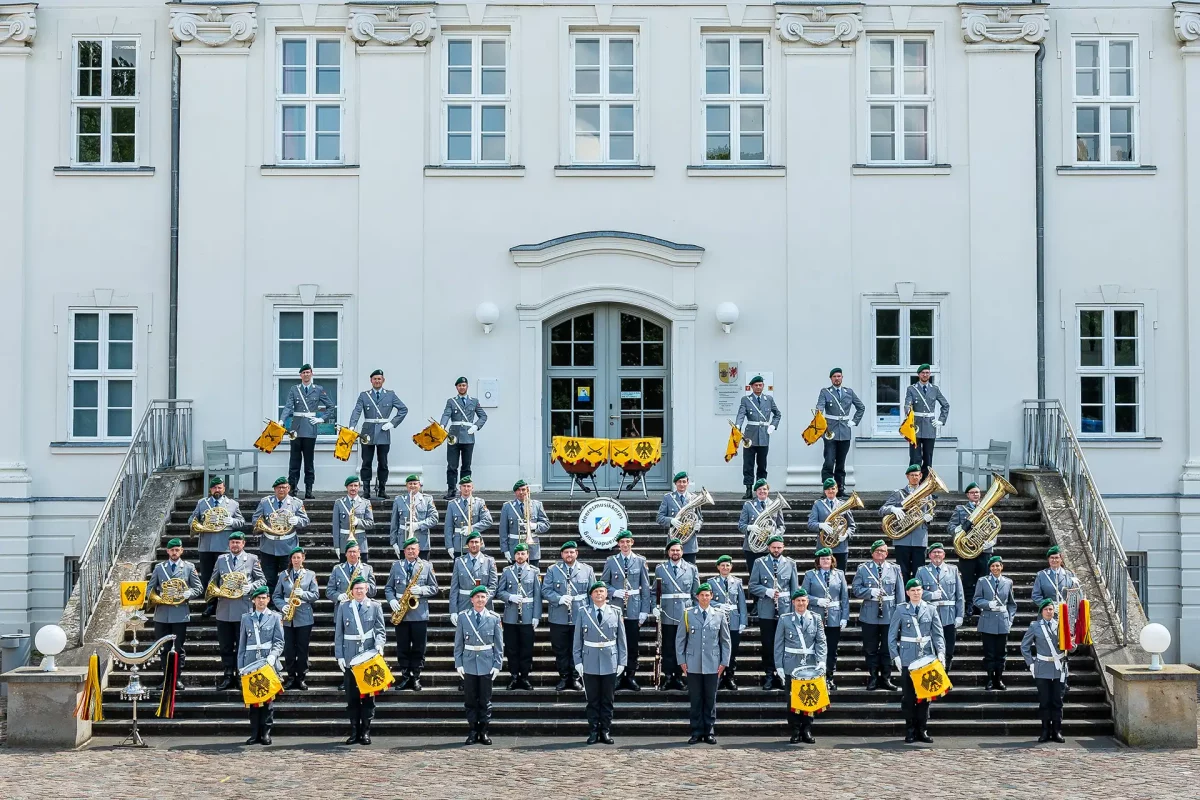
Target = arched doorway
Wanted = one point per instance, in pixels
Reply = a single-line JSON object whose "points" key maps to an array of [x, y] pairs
{"points": [[606, 376]]}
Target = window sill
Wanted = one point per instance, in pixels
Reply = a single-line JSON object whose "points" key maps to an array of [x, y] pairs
{"points": [[100, 447], [1119, 443], [1087, 170], [474, 171], [308, 169], [603, 170], [898, 442], [736, 171], [900, 169], [110, 171]]}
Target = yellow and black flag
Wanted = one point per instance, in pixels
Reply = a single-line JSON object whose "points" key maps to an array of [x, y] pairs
{"points": [[735, 438], [816, 429], [908, 429]]}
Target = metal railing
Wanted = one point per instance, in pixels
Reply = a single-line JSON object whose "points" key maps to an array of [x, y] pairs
{"points": [[163, 440], [1050, 443]]}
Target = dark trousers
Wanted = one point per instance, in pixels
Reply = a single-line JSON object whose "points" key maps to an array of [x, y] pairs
{"points": [[374, 452], [1050, 701], [295, 650], [799, 722], [632, 629], [751, 557], [518, 649], [690, 557], [702, 694], [162, 629], [302, 447], [916, 714], [670, 663], [840, 560], [835, 462], [832, 637], [227, 635], [767, 639], [599, 691], [477, 700], [360, 710], [735, 641], [875, 649], [972, 569], [562, 640], [994, 651], [411, 641], [754, 464], [922, 454], [951, 633], [909, 559], [272, 566], [261, 719], [456, 455]]}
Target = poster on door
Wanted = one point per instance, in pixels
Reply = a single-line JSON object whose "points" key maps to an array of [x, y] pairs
{"points": [[727, 387]]}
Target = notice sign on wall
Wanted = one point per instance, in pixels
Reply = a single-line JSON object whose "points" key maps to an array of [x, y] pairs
{"points": [[728, 387]]}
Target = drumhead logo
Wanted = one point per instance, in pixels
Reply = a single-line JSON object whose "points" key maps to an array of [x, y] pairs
{"points": [[600, 521]]}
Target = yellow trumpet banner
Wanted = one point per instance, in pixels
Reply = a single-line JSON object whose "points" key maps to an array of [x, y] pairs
{"points": [[810, 695], [573, 451], [133, 594], [816, 429], [731, 447], [372, 676], [430, 437], [931, 681], [635, 455], [261, 686], [271, 436], [345, 443], [908, 429]]}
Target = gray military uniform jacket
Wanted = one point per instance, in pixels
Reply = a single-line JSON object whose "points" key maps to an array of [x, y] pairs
{"points": [[460, 414], [512, 522], [217, 542], [820, 512], [358, 630], [943, 591], [750, 511], [306, 408], [999, 589], [270, 546], [920, 535], [520, 590], [915, 632], [375, 412], [833, 591], [771, 573], [479, 644], [702, 641], [924, 402], [232, 610], [468, 573], [800, 644], [842, 409], [261, 636], [668, 508], [957, 518], [364, 520], [679, 584], [426, 518], [563, 581], [1048, 584], [1040, 649], [633, 579], [729, 595], [309, 593], [163, 573], [339, 580], [757, 412], [889, 581], [456, 518], [600, 646], [426, 586]]}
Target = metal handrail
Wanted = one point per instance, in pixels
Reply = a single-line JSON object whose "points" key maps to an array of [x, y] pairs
{"points": [[163, 440], [1050, 443]]}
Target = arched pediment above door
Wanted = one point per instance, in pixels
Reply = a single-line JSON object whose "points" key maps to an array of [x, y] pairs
{"points": [[588, 243]]}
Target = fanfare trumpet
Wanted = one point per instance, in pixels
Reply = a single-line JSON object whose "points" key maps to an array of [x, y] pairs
{"points": [[742, 437], [346, 437]]}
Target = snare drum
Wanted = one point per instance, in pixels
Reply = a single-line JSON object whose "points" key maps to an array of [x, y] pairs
{"points": [[929, 678]]}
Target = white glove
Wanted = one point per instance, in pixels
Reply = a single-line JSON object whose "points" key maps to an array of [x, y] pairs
{"points": [[996, 605], [928, 518], [958, 622], [450, 550], [842, 626], [342, 664], [782, 674], [933, 594], [826, 527], [657, 613], [898, 513], [462, 673], [293, 519], [770, 429], [875, 593], [535, 623], [742, 629], [472, 430], [387, 426], [1033, 670], [641, 619], [772, 594], [495, 672], [188, 594], [399, 552], [619, 594], [565, 600], [395, 604], [579, 668], [699, 524], [937, 423], [823, 602], [675, 523], [454, 619], [343, 597], [899, 667]]}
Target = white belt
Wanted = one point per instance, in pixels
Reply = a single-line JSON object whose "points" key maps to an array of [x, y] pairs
{"points": [[1049, 658], [601, 644], [837, 419], [921, 640], [520, 600], [800, 651], [940, 602], [479, 648], [307, 414], [266, 646], [676, 596], [748, 423], [574, 597], [376, 421], [888, 599], [358, 637], [922, 413], [460, 424]]}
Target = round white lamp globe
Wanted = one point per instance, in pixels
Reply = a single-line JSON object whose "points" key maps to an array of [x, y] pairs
{"points": [[727, 314], [487, 314], [1155, 639], [50, 641]]}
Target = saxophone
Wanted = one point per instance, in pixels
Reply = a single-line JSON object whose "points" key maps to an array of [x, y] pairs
{"points": [[294, 601], [689, 515], [764, 526], [408, 601], [837, 520], [915, 507], [353, 574], [985, 524]]}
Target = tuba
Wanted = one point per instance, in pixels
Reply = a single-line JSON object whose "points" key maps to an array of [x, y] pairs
{"points": [[985, 524], [689, 515], [233, 586], [763, 527], [408, 600], [214, 520], [837, 520], [915, 507], [172, 593], [275, 525]]}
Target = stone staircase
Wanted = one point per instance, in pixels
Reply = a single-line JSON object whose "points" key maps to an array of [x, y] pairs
{"points": [[967, 710]]}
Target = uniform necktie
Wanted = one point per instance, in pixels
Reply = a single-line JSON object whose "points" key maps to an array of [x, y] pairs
{"points": [[376, 395], [360, 607], [937, 574], [825, 576], [295, 576], [626, 560], [675, 570], [258, 618], [703, 615], [477, 619], [172, 568], [598, 616]]}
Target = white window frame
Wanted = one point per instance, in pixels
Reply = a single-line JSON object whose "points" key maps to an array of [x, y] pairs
{"points": [[898, 99], [605, 99], [735, 99], [325, 376], [102, 375], [476, 100], [310, 100], [879, 425], [1105, 101], [1109, 371], [106, 102]]}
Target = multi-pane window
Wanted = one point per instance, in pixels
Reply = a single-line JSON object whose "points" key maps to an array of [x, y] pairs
{"points": [[735, 99], [104, 103], [308, 336], [573, 396], [475, 100], [573, 342], [604, 102], [310, 99], [101, 371], [899, 100], [1106, 100], [1111, 370], [905, 337]]}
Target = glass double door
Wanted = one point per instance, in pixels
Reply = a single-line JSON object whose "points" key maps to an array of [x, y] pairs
{"points": [[606, 378]]}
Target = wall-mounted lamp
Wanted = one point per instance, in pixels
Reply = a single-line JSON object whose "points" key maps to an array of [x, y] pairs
{"points": [[727, 314], [487, 314]]}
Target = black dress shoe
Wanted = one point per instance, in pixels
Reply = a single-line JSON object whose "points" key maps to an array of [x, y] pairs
{"points": [[909, 738], [265, 739], [605, 737], [405, 682], [747, 494], [731, 684], [353, 737], [209, 611], [1000, 684], [577, 684], [694, 739], [777, 683], [301, 685], [364, 739], [1057, 736], [991, 684], [633, 685], [514, 684], [225, 682], [525, 685], [291, 684], [449, 496], [710, 739], [1045, 737], [561, 686], [872, 683], [807, 737], [252, 740], [891, 687], [767, 683], [593, 737], [830, 685], [795, 737], [179, 686], [470, 738], [924, 736], [482, 737], [415, 685], [382, 494]]}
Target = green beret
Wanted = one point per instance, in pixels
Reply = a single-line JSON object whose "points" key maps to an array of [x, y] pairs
{"points": [[568, 545], [411, 540], [679, 476], [801, 592], [912, 468], [596, 585], [378, 372], [464, 479], [934, 546], [279, 482], [306, 367], [359, 579], [704, 587], [416, 478], [459, 379], [824, 551], [878, 543], [912, 583], [834, 371], [479, 590], [474, 535], [257, 590], [671, 543], [1046, 601], [352, 479], [624, 535], [1053, 551], [215, 480], [237, 535], [829, 483], [757, 379], [521, 548], [350, 545], [775, 538], [760, 482], [723, 559], [995, 560], [296, 549], [519, 484], [175, 543], [922, 368], [970, 486]]}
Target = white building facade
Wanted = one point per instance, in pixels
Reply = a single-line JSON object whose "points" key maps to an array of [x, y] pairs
{"points": [[359, 184]]}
